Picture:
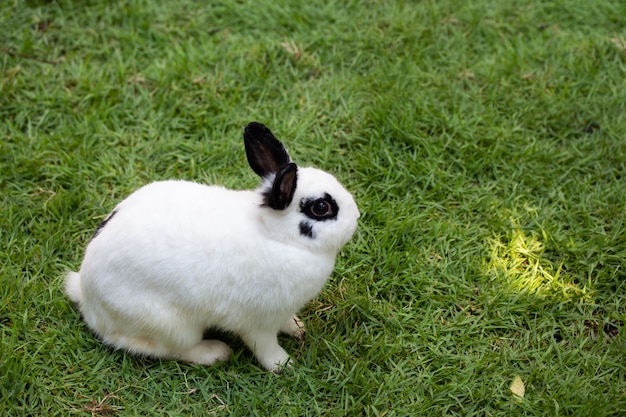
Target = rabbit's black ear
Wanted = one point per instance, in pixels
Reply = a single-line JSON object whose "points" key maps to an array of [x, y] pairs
{"points": [[265, 153], [280, 195]]}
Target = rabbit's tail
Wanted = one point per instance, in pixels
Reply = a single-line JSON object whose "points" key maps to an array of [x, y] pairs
{"points": [[73, 287]]}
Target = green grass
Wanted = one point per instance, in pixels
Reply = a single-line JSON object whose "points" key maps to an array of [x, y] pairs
{"points": [[485, 143]]}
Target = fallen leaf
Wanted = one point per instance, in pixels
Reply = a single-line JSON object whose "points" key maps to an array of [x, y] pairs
{"points": [[44, 25], [620, 42], [136, 79], [292, 48], [517, 388]]}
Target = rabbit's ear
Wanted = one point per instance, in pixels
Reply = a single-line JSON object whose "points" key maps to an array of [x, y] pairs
{"points": [[283, 188], [265, 153]]}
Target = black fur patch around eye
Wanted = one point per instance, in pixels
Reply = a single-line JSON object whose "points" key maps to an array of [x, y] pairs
{"points": [[308, 207], [104, 223], [306, 230]]}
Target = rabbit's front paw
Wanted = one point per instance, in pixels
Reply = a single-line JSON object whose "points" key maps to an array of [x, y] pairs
{"points": [[266, 349], [294, 327]]}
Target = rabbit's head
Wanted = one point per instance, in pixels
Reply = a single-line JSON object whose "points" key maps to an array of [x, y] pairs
{"points": [[300, 206]]}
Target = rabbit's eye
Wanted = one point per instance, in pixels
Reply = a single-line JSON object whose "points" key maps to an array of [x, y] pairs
{"points": [[321, 207]]}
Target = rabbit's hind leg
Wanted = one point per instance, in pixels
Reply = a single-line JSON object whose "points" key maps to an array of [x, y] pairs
{"points": [[140, 345], [206, 352]]}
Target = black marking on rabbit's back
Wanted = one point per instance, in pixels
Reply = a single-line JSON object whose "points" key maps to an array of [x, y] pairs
{"points": [[104, 223], [306, 229]]}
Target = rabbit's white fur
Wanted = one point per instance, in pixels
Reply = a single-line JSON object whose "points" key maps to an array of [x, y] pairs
{"points": [[176, 258]]}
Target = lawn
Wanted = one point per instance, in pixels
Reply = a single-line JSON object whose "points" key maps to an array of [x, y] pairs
{"points": [[484, 141]]}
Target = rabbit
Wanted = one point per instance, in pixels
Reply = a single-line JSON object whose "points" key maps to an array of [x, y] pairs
{"points": [[176, 258]]}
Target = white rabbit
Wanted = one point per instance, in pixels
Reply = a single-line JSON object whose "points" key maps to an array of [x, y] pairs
{"points": [[176, 258]]}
